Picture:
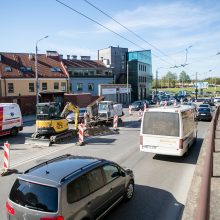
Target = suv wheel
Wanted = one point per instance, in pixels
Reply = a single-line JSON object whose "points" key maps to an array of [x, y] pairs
{"points": [[129, 191]]}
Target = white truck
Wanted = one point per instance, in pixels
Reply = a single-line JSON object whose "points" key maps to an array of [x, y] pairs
{"points": [[102, 112], [10, 119], [107, 110]]}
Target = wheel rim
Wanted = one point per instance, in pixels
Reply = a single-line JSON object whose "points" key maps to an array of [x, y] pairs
{"points": [[130, 190]]}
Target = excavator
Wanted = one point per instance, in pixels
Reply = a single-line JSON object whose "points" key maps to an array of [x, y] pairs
{"points": [[52, 125]]}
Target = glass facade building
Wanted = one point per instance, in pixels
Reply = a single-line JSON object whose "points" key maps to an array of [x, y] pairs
{"points": [[139, 66]]}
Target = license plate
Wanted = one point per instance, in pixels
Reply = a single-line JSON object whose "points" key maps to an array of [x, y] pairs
{"points": [[150, 147], [203, 114]]}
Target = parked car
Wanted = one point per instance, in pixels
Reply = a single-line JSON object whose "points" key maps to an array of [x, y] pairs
{"points": [[204, 114], [69, 187], [71, 116], [137, 105], [209, 101]]}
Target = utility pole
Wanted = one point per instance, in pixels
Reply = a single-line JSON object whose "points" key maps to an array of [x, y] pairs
{"points": [[196, 86], [156, 81]]}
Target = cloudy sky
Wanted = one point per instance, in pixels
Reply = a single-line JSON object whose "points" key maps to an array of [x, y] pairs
{"points": [[171, 29]]}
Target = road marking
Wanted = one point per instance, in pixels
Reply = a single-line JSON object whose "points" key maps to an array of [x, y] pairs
{"points": [[36, 157]]}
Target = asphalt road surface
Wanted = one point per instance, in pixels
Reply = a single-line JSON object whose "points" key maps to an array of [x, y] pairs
{"points": [[161, 182]]}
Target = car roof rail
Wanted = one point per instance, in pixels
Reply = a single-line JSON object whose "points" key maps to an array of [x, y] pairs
{"points": [[80, 169], [47, 162]]}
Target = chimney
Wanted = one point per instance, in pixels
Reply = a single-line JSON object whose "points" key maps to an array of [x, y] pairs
{"points": [[74, 57], [31, 56], [61, 56], [68, 57], [85, 57]]}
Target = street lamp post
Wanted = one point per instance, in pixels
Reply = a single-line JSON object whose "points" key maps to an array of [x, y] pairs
{"points": [[36, 70]]}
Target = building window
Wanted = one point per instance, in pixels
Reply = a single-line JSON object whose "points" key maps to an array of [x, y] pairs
{"points": [[91, 86], [10, 88], [79, 86], [63, 86], [71, 87], [8, 69], [55, 69], [31, 87], [56, 86], [44, 86], [91, 73]]}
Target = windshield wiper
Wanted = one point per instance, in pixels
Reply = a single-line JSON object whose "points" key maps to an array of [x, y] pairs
{"points": [[33, 207]]}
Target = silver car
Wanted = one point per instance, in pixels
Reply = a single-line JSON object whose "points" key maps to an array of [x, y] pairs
{"points": [[69, 187]]}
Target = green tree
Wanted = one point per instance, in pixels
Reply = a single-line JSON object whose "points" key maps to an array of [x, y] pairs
{"points": [[184, 78]]}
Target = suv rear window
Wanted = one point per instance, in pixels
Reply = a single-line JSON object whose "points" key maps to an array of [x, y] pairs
{"points": [[161, 123], [34, 196]]}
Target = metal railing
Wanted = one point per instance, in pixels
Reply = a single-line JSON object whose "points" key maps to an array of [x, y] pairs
{"points": [[198, 201]]}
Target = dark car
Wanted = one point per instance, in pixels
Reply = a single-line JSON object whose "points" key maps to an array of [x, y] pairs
{"points": [[204, 114], [137, 105], [69, 187]]}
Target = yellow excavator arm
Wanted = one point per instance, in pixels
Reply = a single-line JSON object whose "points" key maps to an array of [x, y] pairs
{"points": [[70, 107]]}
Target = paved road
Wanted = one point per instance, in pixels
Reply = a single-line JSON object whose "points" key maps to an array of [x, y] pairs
{"points": [[162, 182]]}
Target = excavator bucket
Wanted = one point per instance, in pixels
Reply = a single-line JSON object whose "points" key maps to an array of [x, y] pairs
{"points": [[38, 142]]}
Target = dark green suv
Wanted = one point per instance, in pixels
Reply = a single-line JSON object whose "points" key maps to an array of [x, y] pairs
{"points": [[69, 187]]}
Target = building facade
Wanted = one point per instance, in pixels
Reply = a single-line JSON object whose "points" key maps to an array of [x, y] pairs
{"points": [[18, 75], [85, 75], [115, 58], [140, 74]]}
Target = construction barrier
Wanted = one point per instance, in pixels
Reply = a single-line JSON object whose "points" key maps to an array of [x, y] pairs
{"points": [[6, 160], [81, 133], [129, 110], [115, 123], [158, 103], [145, 107], [174, 103], [140, 114]]}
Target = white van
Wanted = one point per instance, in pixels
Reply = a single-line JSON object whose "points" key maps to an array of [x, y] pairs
{"points": [[169, 131], [10, 119]]}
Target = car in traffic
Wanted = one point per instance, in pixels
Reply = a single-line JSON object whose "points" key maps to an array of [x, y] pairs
{"points": [[204, 113], [71, 116], [137, 105], [69, 187], [204, 106]]}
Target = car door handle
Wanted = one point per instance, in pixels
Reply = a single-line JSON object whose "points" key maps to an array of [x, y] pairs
{"points": [[89, 203], [110, 190]]}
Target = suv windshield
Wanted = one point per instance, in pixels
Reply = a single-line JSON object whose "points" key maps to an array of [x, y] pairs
{"points": [[34, 196]]}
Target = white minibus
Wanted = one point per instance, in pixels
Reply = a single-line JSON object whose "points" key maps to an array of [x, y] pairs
{"points": [[168, 130]]}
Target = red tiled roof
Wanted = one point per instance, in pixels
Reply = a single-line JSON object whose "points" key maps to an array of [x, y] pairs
{"points": [[18, 60], [84, 64]]}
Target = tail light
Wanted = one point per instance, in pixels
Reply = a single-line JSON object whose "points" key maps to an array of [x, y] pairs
{"points": [[181, 144], [141, 140], [52, 218], [10, 208]]}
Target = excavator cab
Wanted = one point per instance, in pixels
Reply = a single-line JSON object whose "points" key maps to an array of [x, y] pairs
{"points": [[47, 111]]}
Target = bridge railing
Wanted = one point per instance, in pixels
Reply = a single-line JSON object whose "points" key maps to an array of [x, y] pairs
{"points": [[198, 201]]}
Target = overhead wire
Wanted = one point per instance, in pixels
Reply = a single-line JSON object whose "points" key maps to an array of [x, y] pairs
{"points": [[138, 36], [121, 36]]}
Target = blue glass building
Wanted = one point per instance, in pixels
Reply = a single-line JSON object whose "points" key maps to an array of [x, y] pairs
{"points": [[139, 66]]}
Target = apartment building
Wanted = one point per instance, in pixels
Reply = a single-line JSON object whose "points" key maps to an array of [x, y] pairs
{"points": [[85, 75], [18, 75], [115, 58]]}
